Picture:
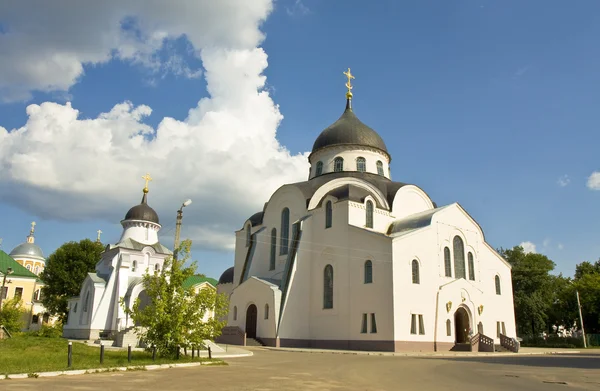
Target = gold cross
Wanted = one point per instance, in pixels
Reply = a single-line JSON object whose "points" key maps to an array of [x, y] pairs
{"points": [[32, 226], [349, 83], [147, 178]]}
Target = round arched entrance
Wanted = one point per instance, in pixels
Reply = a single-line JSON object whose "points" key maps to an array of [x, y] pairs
{"points": [[462, 325], [251, 318]]}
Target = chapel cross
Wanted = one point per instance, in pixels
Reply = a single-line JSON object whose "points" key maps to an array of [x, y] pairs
{"points": [[32, 227], [349, 83], [99, 233], [147, 178]]}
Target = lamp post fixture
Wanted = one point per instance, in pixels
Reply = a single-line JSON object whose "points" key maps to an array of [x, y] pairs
{"points": [[178, 226], [8, 272]]}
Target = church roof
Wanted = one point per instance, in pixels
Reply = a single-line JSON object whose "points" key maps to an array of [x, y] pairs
{"points": [[18, 270], [227, 276], [132, 244], [196, 280], [413, 222], [142, 211], [30, 250], [257, 218], [349, 130]]}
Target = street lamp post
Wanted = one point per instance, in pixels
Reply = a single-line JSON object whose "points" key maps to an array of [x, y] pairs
{"points": [[178, 227], [8, 272]]}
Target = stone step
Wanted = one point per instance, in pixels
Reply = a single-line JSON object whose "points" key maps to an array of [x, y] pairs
{"points": [[253, 342]]}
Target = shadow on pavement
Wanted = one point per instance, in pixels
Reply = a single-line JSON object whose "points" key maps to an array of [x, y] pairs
{"points": [[579, 361]]}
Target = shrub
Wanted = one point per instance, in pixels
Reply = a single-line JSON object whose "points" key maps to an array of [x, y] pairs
{"points": [[552, 341], [49, 331], [11, 315]]}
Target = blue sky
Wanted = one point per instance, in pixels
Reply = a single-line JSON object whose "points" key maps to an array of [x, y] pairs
{"points": [[490, 104]]}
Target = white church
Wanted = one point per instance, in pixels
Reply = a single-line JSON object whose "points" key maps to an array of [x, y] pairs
{"points": [[350, 259], [97, 312]]}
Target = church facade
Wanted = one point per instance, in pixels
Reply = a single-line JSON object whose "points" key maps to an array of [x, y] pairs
{"points": [[350, 259]]}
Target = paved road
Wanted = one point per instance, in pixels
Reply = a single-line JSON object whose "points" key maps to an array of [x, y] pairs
{"points": [[276, 370]]}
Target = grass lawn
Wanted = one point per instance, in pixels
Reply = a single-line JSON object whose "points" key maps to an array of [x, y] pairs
{"points": [[26, 354]]}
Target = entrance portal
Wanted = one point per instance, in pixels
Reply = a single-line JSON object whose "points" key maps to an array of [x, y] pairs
{"points": [[461, 324], [251, 318]]}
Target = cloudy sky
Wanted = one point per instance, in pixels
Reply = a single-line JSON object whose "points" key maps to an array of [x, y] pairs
{"points": [[490, 104]]}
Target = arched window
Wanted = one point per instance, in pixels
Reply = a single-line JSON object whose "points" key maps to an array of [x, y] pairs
{"points": [[285, 231], [235, 312], [448, 328], [86, 303], [328, 287], [273, 249], [415, 272], [156, 267], [248, 235], [379, 167], [361, 164], [37, 270], [338, 164], [328, 214], [369, 223], [28, 267], [498, 289], [471, 266], [447, 262], [134, 266], [319, 168], [368, 272], [75, 308], [459, 258], [266, 311]]}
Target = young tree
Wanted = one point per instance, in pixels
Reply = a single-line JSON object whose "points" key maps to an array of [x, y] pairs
{"points": [[11, 315], [66, 268], [172, 316]]}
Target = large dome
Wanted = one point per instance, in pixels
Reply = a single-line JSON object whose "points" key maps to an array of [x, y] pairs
{"points": [[349, 130], [142, 212], [227, 276], [27, 250]]}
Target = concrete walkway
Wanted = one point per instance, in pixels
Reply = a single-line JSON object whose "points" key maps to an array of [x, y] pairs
{"points": [[522, 352]]}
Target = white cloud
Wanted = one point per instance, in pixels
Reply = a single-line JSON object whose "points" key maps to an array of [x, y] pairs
{"points": [[593, 181], [225, 155], [528, 247], [546, 242], [45, 45], [563, 181], [561, 246], [297, 9]]}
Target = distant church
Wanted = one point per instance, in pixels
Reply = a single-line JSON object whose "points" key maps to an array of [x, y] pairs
{"points": [[350, 259], [97, 312]]}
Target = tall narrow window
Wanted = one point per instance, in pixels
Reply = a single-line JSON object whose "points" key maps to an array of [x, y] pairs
{"points": [[448, 328], [503, 328], [497, 329], [156, 267], [28, 267], [4, 292], [273, 249], [266, 311], [361, 164], [369, 216], [447, 262], [37, 270], [285, 231], [368, 272], [234, 312], [471, 266], [363, 326], [459, 258], [134, 266], [86, 303], [328, 287], [319, 170], [416, 279], [328, 214], [480, 328], [338, 164], [413, 323], [421, 325], [498, 289], [379, 167], [373, 324], [248, 235], [18, 293]]}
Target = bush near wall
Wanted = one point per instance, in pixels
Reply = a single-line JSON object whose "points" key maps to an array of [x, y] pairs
{"points": [[593, 339], [552, 342]]}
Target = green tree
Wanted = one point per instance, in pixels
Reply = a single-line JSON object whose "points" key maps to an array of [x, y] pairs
{"points": [[532, 289], [11, 315], [586, 268], [66, 268], [172, 315], [587, 283]]}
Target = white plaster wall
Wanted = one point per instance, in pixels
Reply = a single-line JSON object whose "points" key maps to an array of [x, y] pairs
{"points": [[349, 154], [140, 231], [358, 216], [410, 200], [259, 293]]}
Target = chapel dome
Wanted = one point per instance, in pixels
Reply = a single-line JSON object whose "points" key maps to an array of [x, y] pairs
{"points": [[142, 211], [27, 250], [227, 276], [349, 130]]}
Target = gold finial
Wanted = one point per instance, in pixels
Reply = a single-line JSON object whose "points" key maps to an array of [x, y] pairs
{"points": [[99, 233], [147, 178], [32, 230], [349, 84]]}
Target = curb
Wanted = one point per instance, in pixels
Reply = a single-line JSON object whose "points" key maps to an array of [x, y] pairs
{"points": [[117, 369], [427, 355]]}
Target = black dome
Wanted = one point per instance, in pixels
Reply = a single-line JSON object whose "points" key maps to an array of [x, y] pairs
{"points": [[349, 130], [227, 276], [142, 212]]}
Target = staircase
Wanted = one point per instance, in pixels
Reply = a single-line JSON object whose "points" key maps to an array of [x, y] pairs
{"points": [[500, 348], [254, 342]]}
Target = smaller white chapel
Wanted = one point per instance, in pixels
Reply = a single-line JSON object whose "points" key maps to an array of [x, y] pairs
{"points": [[96, 312], [350, 259]]}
